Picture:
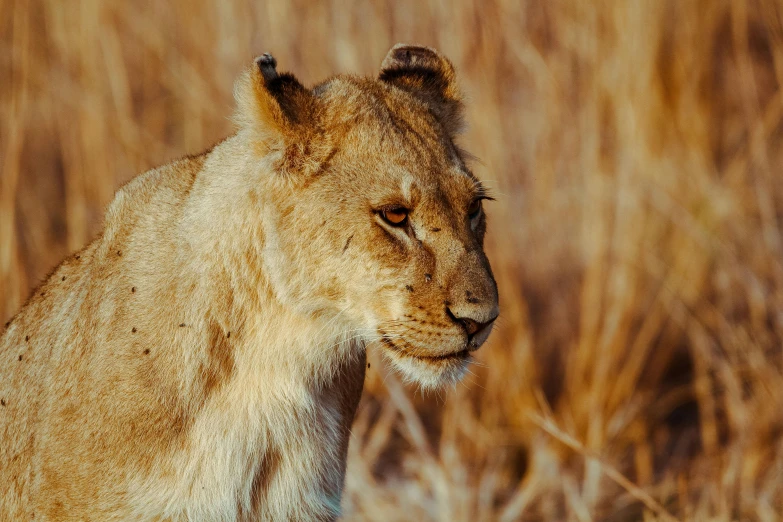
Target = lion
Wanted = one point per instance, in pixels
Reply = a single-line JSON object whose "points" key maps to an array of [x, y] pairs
{"points": [[203, 358]]}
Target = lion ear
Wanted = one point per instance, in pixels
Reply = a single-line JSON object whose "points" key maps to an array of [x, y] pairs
{"points": [[275, 107], [428, 75]]}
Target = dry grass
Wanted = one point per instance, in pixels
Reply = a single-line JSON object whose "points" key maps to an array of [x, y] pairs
{"points": [[635, 151]]}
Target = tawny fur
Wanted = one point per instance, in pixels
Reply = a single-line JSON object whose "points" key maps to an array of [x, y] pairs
{"points": [[203, 358]]}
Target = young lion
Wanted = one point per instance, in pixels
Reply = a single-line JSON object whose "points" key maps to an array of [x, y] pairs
{"points": [[203, 358]]}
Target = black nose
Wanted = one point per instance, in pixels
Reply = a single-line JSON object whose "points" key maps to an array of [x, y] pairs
{"points": [[472, 327]]}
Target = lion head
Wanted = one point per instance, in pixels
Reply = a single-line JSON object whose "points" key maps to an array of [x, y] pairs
{"points": [[372, 218]]}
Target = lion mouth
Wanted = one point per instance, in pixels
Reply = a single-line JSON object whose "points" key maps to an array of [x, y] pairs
{"points": [[453, 356]]}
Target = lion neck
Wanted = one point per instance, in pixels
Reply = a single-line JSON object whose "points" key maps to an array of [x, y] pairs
{"points": [[293, 333], [281, 418]]}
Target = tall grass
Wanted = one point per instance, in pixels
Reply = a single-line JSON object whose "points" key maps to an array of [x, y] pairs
{"points": [[634, 149]]}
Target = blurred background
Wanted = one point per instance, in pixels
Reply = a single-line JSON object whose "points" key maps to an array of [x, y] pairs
{"points": [[634, 148]]}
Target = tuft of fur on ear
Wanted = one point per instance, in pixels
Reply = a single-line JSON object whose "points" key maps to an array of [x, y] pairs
{"points": [[428, 75], [279, 111]]}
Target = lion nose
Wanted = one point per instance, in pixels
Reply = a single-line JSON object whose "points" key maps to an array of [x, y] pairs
{"points": [[472, 326], [477, 331]]}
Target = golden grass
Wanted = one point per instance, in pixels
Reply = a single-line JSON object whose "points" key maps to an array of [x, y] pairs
{"points": [[634, 147]]}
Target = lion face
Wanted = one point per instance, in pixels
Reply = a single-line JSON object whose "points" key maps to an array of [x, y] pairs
{"points": [[378, 224]]}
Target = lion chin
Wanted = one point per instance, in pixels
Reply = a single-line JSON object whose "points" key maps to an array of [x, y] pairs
{"points": [[430, 372]]}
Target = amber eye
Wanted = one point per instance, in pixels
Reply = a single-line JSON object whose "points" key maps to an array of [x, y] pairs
{"points": [[474, 209], [396, 217]]}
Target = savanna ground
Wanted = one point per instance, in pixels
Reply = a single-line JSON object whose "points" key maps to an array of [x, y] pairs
{"points": [[634, 148]]}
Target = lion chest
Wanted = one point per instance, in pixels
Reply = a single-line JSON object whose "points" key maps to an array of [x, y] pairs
{"points": [[268, 452]]}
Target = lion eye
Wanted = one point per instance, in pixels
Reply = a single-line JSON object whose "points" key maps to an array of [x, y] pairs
{"points": [[396, 217], [474, 209]]}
